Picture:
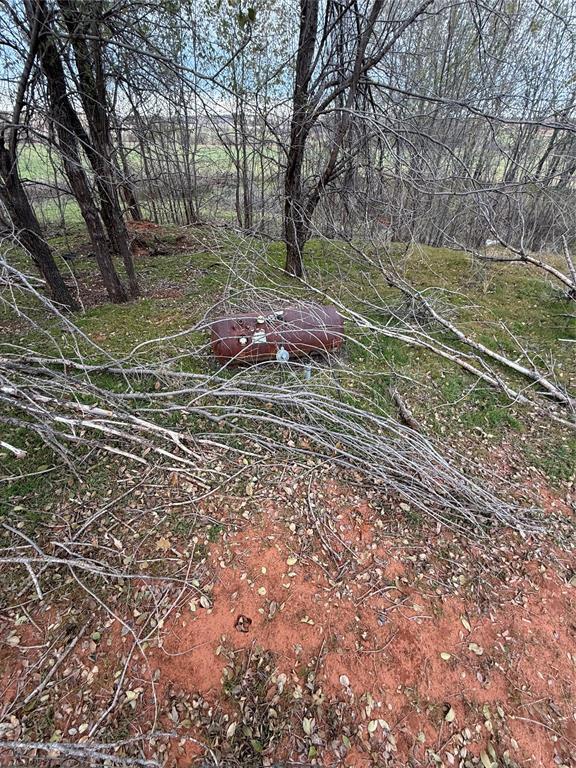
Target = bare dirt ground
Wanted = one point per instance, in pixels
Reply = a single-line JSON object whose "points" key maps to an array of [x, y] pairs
{"points": [[326, 625]]}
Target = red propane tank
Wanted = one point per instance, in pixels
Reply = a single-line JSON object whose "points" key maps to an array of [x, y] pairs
{"points": [[299, 331]]}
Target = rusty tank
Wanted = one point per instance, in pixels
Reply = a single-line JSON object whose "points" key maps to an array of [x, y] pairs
{"points": [[297, 331]]}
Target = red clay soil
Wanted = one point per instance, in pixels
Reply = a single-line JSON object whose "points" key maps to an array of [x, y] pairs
{"points": [[519, 658], [144, 225], [418, 674]]}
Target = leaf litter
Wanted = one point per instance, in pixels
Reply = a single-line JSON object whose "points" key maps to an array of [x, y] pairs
{"points": [[349, 659]]}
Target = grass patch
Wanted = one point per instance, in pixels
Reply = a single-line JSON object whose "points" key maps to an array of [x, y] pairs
{"points": [[182, 284], [556, 458]]}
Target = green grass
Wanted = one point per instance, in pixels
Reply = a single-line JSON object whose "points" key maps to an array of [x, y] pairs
{"points": [[27, 484], [118, 328], [54, 214], [444, 397], [35, 163], [557, 459]]}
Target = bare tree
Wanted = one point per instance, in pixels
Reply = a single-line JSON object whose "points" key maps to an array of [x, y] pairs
{"points": [[83, 23], [69, 130], [22, 216], [331, 72]]}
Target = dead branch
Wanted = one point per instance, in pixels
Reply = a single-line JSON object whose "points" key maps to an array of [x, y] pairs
{"points": [[100, 753]]}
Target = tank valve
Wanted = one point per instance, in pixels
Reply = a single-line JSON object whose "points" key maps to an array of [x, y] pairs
{"points": [[282, 355]]}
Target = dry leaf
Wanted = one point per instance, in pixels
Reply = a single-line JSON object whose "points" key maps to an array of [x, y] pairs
{"points": [[242, 623], [475, 648], [163, 544]]}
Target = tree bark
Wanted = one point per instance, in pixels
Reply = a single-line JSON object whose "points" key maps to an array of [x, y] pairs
{"points": [[28, 231], [295, 229], [82, 27], [62, 116]]}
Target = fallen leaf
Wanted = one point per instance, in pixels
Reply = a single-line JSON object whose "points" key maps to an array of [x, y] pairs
{"points": [[292, 560], [465, 623], [475, 648], [163, 544], [242, 623], [450, 716], [445, 656]]}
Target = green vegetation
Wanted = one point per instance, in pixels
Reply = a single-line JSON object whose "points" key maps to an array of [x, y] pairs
{"points": [[35, 162], [557, 459], [183, 281]]}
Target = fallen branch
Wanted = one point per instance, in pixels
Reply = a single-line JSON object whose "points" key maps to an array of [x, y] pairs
{"points": [[99, 752]]}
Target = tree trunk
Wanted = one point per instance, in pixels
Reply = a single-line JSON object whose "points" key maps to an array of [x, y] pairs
{"points": [[295, 228], [28, 231], [116, 227], [82, 24], [63, 119], [81, 190]]}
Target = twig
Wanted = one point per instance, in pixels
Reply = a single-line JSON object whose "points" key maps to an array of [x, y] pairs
{"points": [[61, 657], [94, 751]]}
